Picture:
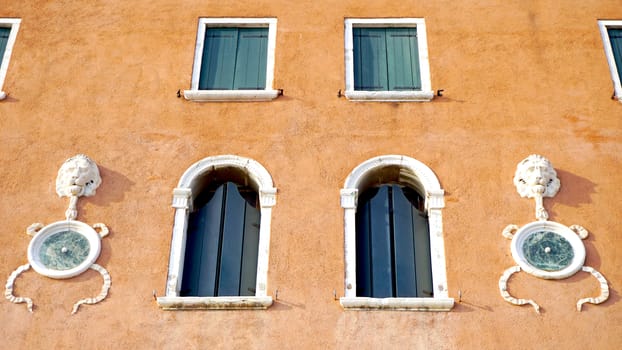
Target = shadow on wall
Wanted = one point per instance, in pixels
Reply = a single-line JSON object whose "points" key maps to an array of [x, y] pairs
{"points": [[575, 190], [113, 188]]}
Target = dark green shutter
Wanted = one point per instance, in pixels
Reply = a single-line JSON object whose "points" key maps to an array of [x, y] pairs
{"points": [[403, 59], [404, 245], [615, 36], [232, 235], [386, 59], [251, 60], [392, 245], [363, 248], [222, 246], [234, 59], [423, 263], [4, 38], [370, 59], [250, 250], [203, 242], [194, 248], [212, 240], [382, 285], [218, 63]]}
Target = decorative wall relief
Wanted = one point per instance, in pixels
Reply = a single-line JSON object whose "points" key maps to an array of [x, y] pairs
{"points": [[542, 248], [66, 248]]}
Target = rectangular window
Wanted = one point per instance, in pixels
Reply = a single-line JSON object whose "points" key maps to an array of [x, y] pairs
{"points": [[234, 60], [8, 33], [387, 60], [611, 32]]}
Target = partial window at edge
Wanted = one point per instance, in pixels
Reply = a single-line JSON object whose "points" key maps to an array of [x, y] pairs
{"points": [[611, 33], [8, 34]]}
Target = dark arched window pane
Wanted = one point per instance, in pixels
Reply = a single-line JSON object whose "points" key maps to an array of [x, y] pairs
{"points": [[392, 244], [222, 243]]}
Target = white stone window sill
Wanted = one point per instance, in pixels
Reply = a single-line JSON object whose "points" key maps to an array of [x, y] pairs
{"points": [[215, 303], [390, 96], [230, 95], [406, 304]]}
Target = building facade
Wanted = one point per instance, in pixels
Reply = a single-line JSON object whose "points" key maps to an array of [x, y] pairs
{"points": [[307, 116]]}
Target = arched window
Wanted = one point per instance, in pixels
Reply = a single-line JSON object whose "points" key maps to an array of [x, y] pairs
{"points": [[394, 251], [222, 242], [392, 244], [221, 236]]}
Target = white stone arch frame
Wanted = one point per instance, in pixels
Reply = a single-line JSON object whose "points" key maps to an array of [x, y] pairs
{"points": [[419, 176], [183, 196]]}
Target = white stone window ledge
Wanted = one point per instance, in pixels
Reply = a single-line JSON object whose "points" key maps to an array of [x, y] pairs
{"points": [[215, 303], [230, 95], [404, 304], [390, 96]]}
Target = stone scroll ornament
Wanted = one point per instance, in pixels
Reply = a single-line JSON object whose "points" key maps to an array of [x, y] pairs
{"points": [[66, 248], [542, 248]]}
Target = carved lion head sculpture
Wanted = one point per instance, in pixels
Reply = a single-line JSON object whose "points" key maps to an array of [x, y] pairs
{"points": [[78, 176], [535, 175]]}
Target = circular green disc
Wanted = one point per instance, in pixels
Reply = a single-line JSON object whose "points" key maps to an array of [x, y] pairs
{"points": [[548, 251], [64, 250]]}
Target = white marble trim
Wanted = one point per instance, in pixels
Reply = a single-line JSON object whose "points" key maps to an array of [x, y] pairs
{"points": [[406, 304], [230, 95], [390, 96], [214, 303]]}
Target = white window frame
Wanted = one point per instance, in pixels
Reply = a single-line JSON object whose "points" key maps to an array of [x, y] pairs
{"points": [[420, 177], [12, 23], [267, 94], [183, 197], [423, 95], [604, 25]]}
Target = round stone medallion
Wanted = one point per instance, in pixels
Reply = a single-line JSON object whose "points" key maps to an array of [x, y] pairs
{"points": [[548, 250], [64, 249]]}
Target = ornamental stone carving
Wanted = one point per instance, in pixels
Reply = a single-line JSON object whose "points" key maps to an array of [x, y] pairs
{"points": [[78, 176], [542, 248], [66, 248], [536, 178]]}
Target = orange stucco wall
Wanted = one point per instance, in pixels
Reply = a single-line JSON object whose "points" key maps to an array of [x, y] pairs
{"points": [[519, 77]]}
